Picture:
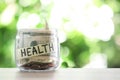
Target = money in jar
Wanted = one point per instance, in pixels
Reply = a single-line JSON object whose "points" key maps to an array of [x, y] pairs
{"points": [[37, 49]]}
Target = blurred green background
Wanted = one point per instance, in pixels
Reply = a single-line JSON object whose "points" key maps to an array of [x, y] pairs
{"points": [[89, 30]]}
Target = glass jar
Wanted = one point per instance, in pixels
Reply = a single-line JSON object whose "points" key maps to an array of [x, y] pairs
{"points": [[37, 50]]}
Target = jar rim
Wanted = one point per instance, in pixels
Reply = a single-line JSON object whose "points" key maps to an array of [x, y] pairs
{"points": [[38, 30]]}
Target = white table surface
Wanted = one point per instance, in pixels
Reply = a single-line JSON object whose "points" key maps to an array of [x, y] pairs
{"points": [[61, 74]]}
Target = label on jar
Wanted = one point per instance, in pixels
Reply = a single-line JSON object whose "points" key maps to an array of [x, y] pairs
{"points": [[38, 50]]}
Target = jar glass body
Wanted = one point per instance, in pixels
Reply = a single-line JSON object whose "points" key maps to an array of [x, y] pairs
{"points": [[37, 50]]}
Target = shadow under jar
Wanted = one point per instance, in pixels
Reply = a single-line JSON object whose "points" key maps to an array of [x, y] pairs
{"points": [[37, 50]]}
